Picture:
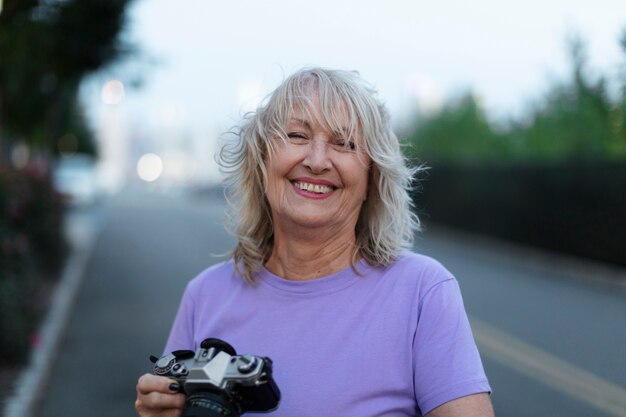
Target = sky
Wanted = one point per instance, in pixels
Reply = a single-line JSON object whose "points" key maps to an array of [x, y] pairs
{"points": [[205, 63]]}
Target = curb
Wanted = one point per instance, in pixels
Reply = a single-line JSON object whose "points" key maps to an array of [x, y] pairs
{"points": [[31, 384]]}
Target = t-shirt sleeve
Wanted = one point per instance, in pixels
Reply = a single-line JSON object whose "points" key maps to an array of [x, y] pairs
{"points": [[447, 364], [181, 334]]}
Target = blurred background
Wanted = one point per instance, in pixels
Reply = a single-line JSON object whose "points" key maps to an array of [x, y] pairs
{"points": [[111, 112]]}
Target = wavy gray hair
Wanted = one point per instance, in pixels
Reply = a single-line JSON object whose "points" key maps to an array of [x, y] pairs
{"points": [[386, 224]]}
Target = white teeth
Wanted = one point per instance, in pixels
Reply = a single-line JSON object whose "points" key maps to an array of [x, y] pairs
{"points": [[313, 188]]}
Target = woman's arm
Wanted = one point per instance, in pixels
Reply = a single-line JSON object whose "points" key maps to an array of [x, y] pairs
{"points": [[476, 405]]}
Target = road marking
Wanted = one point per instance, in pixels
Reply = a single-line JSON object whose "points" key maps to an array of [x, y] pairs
{"points": [[549, 369]]}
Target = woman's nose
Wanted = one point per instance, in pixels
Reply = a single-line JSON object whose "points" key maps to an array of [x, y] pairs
{"points": [[317, 158]]}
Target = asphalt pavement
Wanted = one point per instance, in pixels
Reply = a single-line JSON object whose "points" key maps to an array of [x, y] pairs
{"points": [[551, 329]]}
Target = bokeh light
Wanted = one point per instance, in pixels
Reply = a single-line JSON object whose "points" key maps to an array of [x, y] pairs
{"points": [[20, 155], [150, 167], [112, 92]]}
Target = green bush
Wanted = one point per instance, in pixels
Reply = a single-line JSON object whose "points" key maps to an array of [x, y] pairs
{"points": [[32, 249], [459, 132], [576, 120]]}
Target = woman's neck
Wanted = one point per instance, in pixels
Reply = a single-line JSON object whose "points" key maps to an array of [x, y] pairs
{"points": [[302, 257]]}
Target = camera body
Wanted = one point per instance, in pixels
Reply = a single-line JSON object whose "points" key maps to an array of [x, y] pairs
{"points": [[218, 382]]}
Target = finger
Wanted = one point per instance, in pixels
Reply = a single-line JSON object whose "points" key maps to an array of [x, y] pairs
{"points": [[156, 394], [146, 412], [150, 383], [162, 401], [159, 404]]}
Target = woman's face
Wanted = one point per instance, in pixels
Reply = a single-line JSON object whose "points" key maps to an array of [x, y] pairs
{"points": [[313, 179]]}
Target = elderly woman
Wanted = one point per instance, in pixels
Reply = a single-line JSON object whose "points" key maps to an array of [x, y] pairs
{"points": [[322, 280]]}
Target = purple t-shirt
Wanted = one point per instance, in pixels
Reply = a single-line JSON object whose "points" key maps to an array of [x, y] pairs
{"points": [[393, 341]]}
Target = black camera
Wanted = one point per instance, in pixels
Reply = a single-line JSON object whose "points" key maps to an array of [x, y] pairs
{"points": [[218, 382]]}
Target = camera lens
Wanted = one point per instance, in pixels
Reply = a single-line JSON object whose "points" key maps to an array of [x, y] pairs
{"points": [[208, 404]]}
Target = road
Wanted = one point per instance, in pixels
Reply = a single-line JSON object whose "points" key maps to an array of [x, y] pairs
{"points": [[553, 343]]}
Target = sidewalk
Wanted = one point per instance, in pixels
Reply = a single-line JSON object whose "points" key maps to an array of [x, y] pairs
{"points": [[81, 231]]}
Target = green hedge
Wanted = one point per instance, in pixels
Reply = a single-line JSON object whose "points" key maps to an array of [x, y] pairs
{"points": [[32, 249], [579, 209]]}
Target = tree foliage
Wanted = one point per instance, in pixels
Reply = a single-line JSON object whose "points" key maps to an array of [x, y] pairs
{"points": [[46, 48], [460, 131], [575, 120]]}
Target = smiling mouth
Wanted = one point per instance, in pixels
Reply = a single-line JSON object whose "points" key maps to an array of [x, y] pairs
{"points": [[313, 188]]}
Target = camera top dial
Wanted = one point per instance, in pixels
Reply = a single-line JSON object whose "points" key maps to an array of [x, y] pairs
{"points": [[164, 365], [168, 365]]}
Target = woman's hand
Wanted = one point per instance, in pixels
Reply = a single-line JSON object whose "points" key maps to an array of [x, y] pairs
{"points": [[158, 396]]}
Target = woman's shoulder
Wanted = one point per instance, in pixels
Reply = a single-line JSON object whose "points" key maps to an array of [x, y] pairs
{"points": [[219, 275], [419, 262], [415, 269]]}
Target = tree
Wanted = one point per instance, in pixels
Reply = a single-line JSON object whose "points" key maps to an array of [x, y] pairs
{"points": [[460, 132], [574, 121], [620, 114], [47, 47]]}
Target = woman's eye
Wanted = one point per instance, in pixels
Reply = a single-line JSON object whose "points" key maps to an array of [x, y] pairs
{"points": [[296, 135], [345, 144]]}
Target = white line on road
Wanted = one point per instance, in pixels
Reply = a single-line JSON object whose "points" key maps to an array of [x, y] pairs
{"points": [[549, 369]]}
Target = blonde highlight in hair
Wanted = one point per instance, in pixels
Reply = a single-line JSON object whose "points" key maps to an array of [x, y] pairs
{"points": [[386, 223]]}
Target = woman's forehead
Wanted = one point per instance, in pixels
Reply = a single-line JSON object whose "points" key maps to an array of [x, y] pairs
{"points": [[335, 117]]}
